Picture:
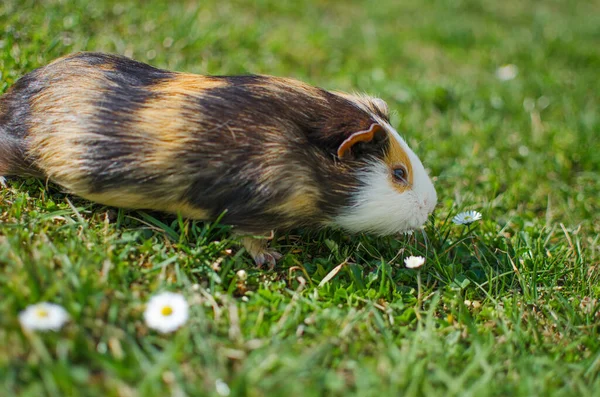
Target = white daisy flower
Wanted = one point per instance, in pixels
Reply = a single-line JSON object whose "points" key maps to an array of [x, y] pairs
{"points": [[466, 218], [507, 72], [166, 312], [43, 316], [413, 262], [222, 388], [242, 275]]}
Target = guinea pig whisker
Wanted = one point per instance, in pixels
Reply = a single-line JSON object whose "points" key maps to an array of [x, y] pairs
{"points": [[425, 240]]}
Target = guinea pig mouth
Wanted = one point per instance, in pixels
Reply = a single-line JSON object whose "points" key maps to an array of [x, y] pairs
{"points": [[407, 232], [417, 221], [414, 226]]}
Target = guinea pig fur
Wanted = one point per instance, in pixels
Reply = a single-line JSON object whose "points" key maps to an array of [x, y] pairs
{"points": [[267, 152]]}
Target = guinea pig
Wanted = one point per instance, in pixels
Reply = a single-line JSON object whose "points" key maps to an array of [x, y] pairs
{"points": [[265, 153]]}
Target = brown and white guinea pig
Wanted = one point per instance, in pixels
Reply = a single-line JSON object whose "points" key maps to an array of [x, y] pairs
{"points": [[270, 153]]}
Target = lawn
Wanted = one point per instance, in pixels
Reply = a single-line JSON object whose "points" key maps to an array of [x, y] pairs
{"points": [[506, 306]]}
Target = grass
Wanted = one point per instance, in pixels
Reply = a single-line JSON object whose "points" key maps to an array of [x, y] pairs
{"points": [[510, 306]]}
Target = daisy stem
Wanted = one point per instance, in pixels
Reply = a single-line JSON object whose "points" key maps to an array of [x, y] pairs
{"points": [[38, 346], [468, 229], [464, 235], [419, 296], [466, 232]]}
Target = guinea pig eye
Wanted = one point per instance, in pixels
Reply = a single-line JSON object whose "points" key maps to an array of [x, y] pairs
{"points": [[400, 175]]}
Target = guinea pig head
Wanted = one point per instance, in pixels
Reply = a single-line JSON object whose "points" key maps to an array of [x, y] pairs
{"points": [[393, 191]]}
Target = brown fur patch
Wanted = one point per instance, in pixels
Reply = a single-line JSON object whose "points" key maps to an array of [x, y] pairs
{"points": [[302, 195], [303, 202], [165, 133], [164, 127], [187, 84], [53, 125], [188, 211], [395, 155], [167, 203]]}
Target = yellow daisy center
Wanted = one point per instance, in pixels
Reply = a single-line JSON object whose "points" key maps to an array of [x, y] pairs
{"points": [[166, 311], [42, 313]]}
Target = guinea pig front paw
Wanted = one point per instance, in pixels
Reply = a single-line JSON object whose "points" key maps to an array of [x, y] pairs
{"points": [[258, 248], [268, 256]]}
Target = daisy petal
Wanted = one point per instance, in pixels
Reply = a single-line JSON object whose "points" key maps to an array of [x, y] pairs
{"points": [[466, 218], [413, 262]]}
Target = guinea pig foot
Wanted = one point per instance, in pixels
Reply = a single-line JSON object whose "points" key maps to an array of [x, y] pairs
{"points": [[3, 181], [269, 256], [258, 249]]}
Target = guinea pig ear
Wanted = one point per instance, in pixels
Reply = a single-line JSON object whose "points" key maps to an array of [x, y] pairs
{"points": [[344, 150]]}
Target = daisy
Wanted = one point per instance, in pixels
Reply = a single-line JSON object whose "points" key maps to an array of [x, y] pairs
{"points": [[222, 388], [466, 218], [507, 72], [166, 312], [43, 316], [242, 275], [413, 262]]}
